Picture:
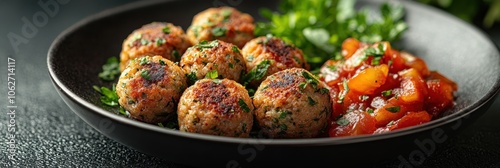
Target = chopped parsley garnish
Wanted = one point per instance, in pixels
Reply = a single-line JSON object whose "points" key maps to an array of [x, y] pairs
{"points": [[227, 15], [375, 51], [205, 44], [212, 74], [144, 42], [166, 30], [393, 109], [324, 91], [344, 92], [390, 123], [161, 125], [376, 60], [257, 73], [231, 65], [310, 79], [342, 122], [143, 61], [160, 41], [369, 110], [176, 54], [123, 112], [250, 58], [332, 67], [136, 37], [363, 97], [192, 77], [162, 62], [145, 74], [108, 96], [302, 85], [283, 114], [217, 81], [110, 70], [235, 49], [311, 101], [283, 127], [219, 31], [243, 105], [387, 93]]}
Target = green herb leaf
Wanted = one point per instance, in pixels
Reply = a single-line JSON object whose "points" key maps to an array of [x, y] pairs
{"points": [[108, 96], [342, 122], [205, 44], [369, 110], [144, 42], [243, 105], [235, 49], [162, 62], [283, 114], [166, 30], [160, 41], [212, 74], [219, 31], [145, 74], [310, 79], [176, 54], [386, 93], [227, 15], [143, 61], [257, 73], [192, 77], [393, 109], [110, 70], [343, 93], [311, 101]]}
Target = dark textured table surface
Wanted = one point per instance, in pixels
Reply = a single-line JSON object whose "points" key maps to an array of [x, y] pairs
{"points": [[49, 134]]}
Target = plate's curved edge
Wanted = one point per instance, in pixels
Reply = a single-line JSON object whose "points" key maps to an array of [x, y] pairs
{"points": [[298, 142]]}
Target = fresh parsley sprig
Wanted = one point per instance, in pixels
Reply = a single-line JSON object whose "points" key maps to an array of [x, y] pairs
{"points": [[108, 96], [110, 70], [318, 27]]}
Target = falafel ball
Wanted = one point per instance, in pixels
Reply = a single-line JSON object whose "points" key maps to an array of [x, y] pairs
{"points": [[216, 107], [157, 38], [223, 23], [150, 87], [214, 56], [292, 104], [278, 53]]}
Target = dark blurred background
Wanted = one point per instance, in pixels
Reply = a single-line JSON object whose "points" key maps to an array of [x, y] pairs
{"points": [[53, 136]]}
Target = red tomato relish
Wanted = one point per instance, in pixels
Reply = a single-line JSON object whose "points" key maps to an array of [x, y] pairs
{"points": [[376, 89]]}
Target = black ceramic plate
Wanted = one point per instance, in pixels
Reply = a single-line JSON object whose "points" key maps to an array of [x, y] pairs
{"points": [[447, 44]]}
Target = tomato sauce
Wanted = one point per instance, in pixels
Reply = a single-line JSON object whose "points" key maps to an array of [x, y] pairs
{"points": [[376, 89]]}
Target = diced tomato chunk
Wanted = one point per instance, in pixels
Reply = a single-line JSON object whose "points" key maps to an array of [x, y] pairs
{"points": [[349, 47], [413, 87], [393, 110], [411, 119], [436, 75], [397, 63], [440, 97], [369, 79], [353, 123], [416, 63]]}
